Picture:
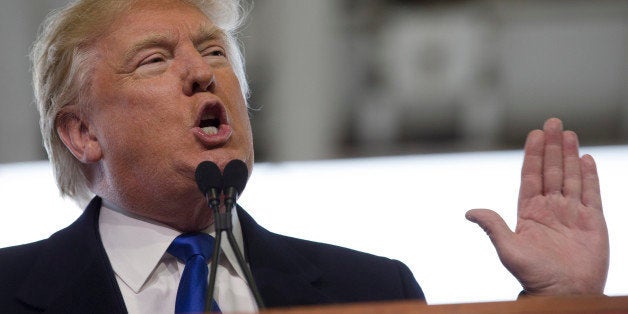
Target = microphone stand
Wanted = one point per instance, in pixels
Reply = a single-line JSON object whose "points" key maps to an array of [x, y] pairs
{"points": [[213, 202], [222, 222], [231, 196]]}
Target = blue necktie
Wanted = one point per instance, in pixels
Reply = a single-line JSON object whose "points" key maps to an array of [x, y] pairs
{"points": [[195, 249]]}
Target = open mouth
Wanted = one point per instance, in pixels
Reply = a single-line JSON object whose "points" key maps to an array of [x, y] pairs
{"points": [[209, 123], [211, 118], [212, 125]]}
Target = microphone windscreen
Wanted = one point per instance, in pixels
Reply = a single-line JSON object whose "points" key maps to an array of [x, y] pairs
{"points": [[208, 176], [235, 175]]}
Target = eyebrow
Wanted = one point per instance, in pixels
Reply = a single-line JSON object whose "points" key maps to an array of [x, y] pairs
{"points": [[204, 34], [207, 33], [153, 40]]}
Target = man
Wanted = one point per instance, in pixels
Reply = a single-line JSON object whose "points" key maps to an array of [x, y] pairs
{"points": [[133, 95]]}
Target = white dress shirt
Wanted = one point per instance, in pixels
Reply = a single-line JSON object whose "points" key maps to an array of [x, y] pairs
{"points": [[148, 276]]}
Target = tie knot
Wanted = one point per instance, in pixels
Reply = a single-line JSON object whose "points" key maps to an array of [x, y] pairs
{"points": [[190, 244]]}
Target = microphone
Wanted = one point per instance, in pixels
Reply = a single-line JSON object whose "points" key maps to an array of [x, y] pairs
{"points": [[209, 181], [235, 176]]}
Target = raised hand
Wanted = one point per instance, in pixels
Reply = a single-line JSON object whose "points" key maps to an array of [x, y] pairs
{"points": [[560, 245]]}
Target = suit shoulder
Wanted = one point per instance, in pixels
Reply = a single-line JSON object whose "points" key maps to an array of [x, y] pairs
{"points": [[343, 275], [15, 264], [19, 255], [360, 269], [320, 252]]}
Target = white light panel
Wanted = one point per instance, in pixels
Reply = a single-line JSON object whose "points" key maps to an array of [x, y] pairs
{"points": [[408, 208]]}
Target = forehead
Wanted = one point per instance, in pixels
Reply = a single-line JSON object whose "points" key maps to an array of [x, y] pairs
{"points": [[150, 17]]}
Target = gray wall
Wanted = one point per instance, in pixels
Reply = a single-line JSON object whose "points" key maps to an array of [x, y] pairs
{"points": [[349, 78]]}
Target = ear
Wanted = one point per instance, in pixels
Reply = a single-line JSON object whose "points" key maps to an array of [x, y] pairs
{"points": [[78, 136]]}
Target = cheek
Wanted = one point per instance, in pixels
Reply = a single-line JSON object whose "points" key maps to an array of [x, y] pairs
{"points": [[119, 131], [233, 94], [242, 116], [137, 123]]}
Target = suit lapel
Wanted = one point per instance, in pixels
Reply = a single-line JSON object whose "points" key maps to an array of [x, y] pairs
{"points": [[283, 276], [73, 273]]}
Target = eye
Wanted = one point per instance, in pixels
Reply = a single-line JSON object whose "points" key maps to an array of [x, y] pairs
{"points": [[153, 59], [214, 52]]}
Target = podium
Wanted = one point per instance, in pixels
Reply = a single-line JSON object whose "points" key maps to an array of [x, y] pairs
{"points": [[563, 305]]}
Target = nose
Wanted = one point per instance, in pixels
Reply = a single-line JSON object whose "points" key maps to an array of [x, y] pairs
{"points": [[199, 76]]}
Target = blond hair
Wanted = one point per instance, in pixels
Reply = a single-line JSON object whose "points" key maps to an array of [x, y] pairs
{"points": [[61, 70]]}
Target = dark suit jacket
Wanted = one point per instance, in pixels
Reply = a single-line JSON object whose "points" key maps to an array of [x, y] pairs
{"points": [[70, 272]]}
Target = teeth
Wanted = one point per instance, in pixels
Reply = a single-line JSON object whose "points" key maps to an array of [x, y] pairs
{"points": [[210, 130]]}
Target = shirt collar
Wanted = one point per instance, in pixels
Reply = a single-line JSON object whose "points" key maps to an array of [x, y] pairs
{"points": [[135, 245]]}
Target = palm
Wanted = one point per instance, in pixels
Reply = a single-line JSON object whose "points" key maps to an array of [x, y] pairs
{"points": [[560, 244], [551, 250]]}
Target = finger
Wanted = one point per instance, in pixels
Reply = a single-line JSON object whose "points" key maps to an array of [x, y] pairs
{"points": [[591, 196], [572, 185], [553, 156], [493, 224], [532, 169]]}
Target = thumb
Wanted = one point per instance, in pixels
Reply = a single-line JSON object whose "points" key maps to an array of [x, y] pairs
{"points": [[492, 223]]}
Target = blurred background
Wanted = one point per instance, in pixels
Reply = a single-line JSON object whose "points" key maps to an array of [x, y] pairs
{"points": [[347, 78], [443, 91]]}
